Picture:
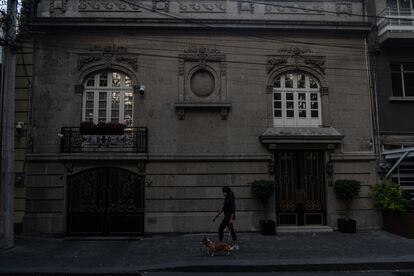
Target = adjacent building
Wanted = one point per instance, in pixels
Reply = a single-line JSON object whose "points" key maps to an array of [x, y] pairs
{"points": [[392, 63], [213, 93]]}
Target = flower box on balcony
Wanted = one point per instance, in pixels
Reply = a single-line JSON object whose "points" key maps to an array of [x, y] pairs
{"points": [[89, 128]]}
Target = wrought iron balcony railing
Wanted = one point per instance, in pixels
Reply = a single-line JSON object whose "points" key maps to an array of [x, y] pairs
{"points": [[396, 20], [133, 139]]}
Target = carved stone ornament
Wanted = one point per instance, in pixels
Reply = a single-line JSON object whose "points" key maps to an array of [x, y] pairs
{"points": [[109, 55], [245, 6], [107, 6], [275, 61], [161, 5], [202, 82], [278, 7], [201, 55], [296, 57], [58, 6], [343, 8], [203, 7]]}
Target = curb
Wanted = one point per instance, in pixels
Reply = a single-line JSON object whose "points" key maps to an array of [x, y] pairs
{"points": [[291, 267]]}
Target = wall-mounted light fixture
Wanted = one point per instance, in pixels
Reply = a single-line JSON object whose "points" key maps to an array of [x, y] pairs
{"points": [[142, 89], [19, 126]]}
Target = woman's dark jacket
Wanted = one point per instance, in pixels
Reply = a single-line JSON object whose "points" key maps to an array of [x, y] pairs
{"points": [[229, 206]]}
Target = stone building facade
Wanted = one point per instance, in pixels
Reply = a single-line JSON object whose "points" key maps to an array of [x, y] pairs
{"points": [[213, 93]]}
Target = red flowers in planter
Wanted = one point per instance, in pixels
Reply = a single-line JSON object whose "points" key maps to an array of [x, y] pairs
{"points": [[102, 128]]}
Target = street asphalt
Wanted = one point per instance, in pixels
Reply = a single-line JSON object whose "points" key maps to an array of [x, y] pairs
{"points": [[169, 254]]}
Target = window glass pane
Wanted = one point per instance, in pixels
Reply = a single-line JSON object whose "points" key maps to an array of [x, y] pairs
{"points": [[289, 113], [103, 80], [302, 97], [395, 67], [128, 118], [313, 83], [314, 105], [408, 67], [116, 80], [278, 104], [128, 82], [277, 96], [301, 81], [102, 107], [102, 116], [289, 105], [314, 114], [289, 81], [115, 114], [397, 89], [89, 96], [302, 113], [89, 105], [128, 100], [392, 4], [89, 115], [276, 84], [314, 97], [278, 113], [128, 109], [405, 8], [90, 82], [115, 100], [289, 96], [409, 84]]}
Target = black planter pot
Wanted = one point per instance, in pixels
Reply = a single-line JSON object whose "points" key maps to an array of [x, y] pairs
{"points": [[268, 227], [347, 226]]}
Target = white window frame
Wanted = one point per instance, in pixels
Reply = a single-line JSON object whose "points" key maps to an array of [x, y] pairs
{"points": [[297, 121], [109, 89]]}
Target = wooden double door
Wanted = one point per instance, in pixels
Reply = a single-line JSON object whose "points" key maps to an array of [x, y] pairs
{"points": [[300, 188], [106, 201]]}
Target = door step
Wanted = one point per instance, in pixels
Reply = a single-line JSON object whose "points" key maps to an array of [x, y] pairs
{"points": [[303, 229]]}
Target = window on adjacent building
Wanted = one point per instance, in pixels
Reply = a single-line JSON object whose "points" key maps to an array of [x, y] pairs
{"points": [[108, 97], [402, 76], [296, 100]]}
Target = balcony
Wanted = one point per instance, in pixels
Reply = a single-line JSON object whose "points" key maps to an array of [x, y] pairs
{"points": [[132, 140], [396, 24]]}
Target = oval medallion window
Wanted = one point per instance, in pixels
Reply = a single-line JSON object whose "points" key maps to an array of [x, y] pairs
{"points": [[202, 83]]}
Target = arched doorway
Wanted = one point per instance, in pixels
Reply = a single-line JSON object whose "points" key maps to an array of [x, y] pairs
{"points": [[106, 201]]}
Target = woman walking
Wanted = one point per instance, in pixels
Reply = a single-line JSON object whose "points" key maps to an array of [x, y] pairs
{"points": [[229, 210]]}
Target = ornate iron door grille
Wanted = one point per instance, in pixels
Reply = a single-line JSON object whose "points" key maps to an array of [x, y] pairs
{"points": [[300, 195], [106, 201]]}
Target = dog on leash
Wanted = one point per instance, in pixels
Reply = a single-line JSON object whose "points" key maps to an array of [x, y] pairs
{"points": [[216, 247]]}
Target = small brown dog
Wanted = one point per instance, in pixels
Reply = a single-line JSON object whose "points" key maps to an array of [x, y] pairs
{"points": [[214, 247]]}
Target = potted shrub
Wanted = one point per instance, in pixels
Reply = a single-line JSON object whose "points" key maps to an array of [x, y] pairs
{"points": [[396, 214], [347, 190], [263, 191]]}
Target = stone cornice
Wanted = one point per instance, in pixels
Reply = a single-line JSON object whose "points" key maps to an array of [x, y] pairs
{"points": [[63, 23]]}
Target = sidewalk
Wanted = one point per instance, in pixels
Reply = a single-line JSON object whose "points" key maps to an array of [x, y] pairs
{"points": [[284, 252]]}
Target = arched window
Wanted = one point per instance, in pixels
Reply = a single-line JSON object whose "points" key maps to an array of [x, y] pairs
{"points": [[296, 101], [108, 97]]}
